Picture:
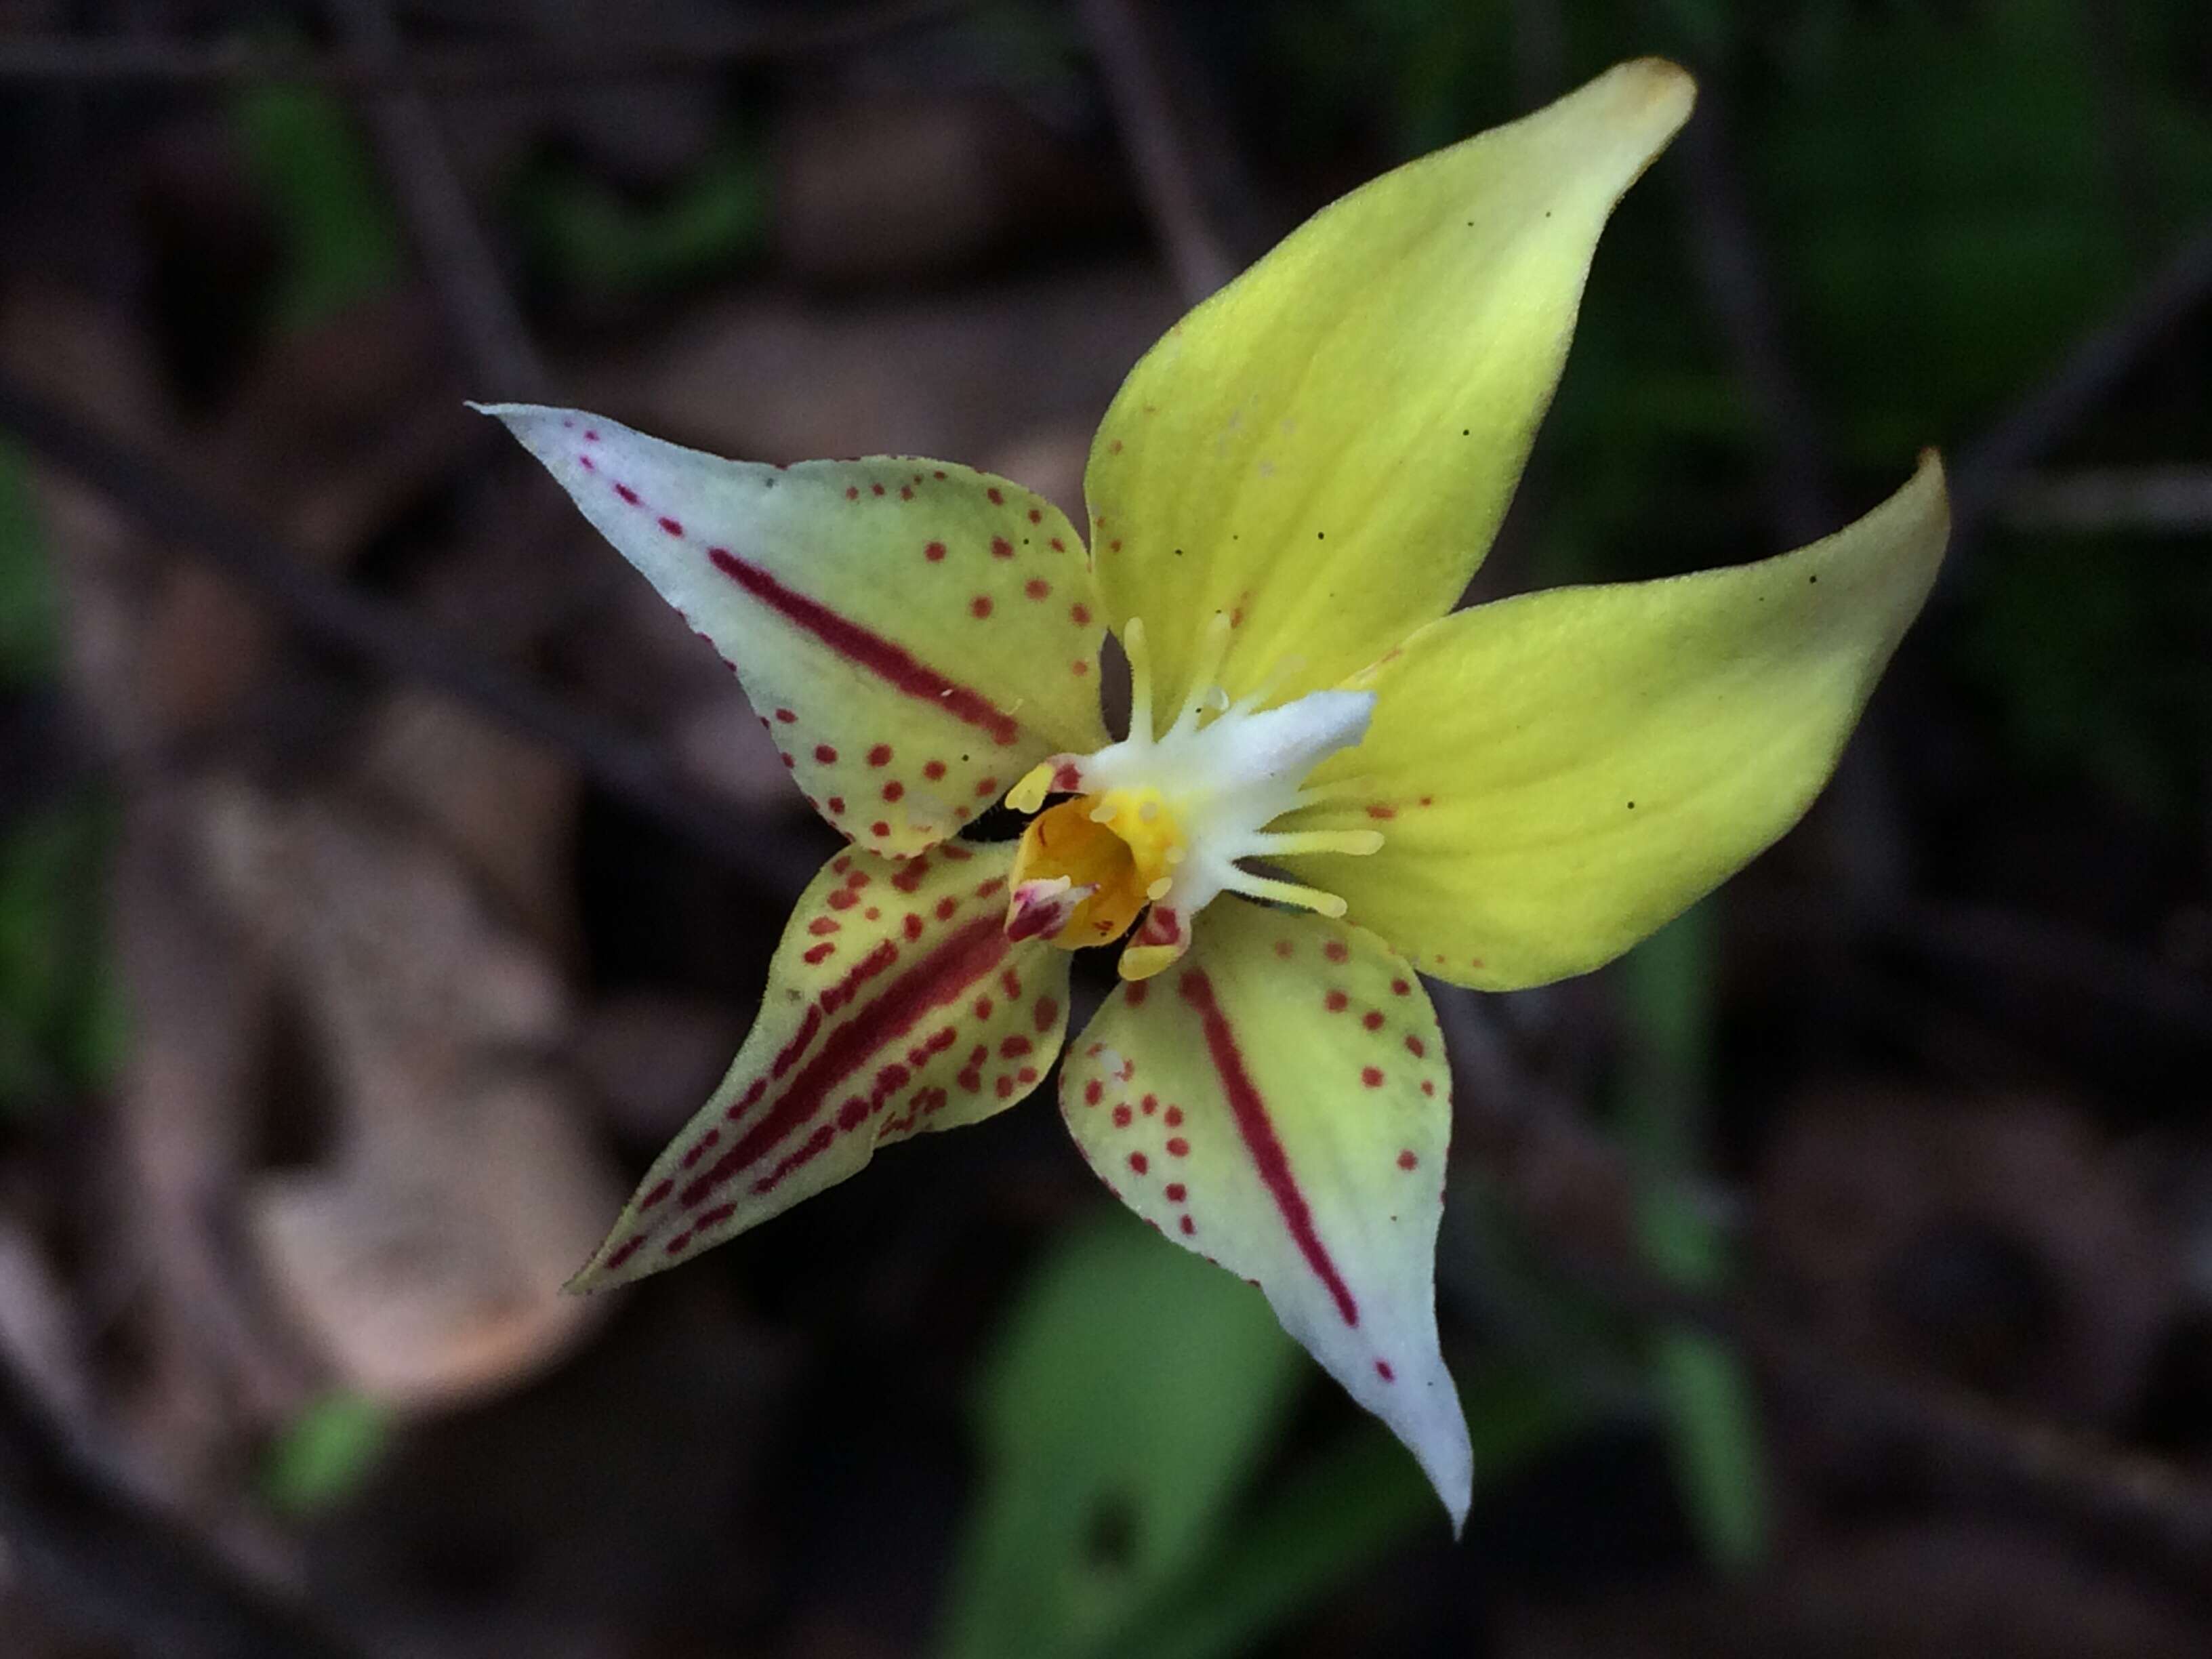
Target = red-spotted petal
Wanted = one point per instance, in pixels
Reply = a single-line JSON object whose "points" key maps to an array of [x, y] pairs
{"points": [[895, 1004], [1278, 1102], [915, 635]]}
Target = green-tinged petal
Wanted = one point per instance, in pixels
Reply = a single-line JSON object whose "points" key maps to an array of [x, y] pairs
{"points": [[1558, 774], [894, 1003], [1278, 1102], [1323, 450], [916, 634]]}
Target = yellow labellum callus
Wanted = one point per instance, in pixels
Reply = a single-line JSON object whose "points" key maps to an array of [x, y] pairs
{"points": [[1288, 495]]}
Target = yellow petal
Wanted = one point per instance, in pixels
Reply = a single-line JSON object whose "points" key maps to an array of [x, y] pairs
{"points": [[1322, 451], [1558, 774], [895, 1004], [1279, 1103], [914, 633]]}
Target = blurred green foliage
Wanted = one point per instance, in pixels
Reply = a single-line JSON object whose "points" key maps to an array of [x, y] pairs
{"points": [[325, 1453], [585, 235], [342, 243]]}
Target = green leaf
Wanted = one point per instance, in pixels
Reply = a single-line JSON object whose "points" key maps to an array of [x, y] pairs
{"points": [[1712, 1417], [324, 1454], [30, 627], [343, 242], [1133, 1392], [589, 236]]}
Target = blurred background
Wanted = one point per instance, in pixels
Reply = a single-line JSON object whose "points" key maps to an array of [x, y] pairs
{"points": [[385, 873]]}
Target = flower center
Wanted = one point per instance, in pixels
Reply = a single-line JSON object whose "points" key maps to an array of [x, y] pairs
{"points": [[1163, 818]]}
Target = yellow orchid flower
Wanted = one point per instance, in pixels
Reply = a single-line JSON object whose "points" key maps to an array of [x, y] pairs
{"points": [[1286, 498]]}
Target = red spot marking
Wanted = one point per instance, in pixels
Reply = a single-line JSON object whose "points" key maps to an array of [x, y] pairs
{"points": [[970, 1079], [934, 982], [1079, 615], [1415, 1046], [890, 663], [786, 716], [984, 1006], [1382, 1370], [875, 490], [1407, 1161], [1372, 1020], [880, 754], [993, 495], [1174, 1117], [913, 926], [1176, 1192], [1014, 1047], [1178, 1147], [852, 492], [1006, 1087], [1122, 1116], [658, 1193], [825, 754], [1428, 800], [592, 436], [841, 900], [1048, 1010], [1139, 1163], [980, 606], [1335, 950], [1092, 1091], [823, 924], [954, 852], [1382, 810], [837, 805], [1036, 517], [1474, 962], [1187, 1226], [1009, 982], [675, 1246], [587, 464], [872, 913], [906, 492], [932, 770], [821, 952], [1115, 545], [1258, 1130], [1001, 548], [1027, 1075], [945, 906], [880, 829], [1398, 987], [674, 526], [629, 1249], [1428, 1088], [1037, 588], [627, 494], [1371, 1076], [1057, 546], [1079, 668], [893, 790], [1152, 1103], [788, 760], [1114, 448], [939, 473], [1067, 779], [1336, 1002], [934, 552], [1135, 992], [1284, 948]]}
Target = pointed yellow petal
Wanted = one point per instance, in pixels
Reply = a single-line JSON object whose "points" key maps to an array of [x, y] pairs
{"points": [[1278, 1102], [1556, 775], [1323, 450], [896, 1003], [915, 635]]}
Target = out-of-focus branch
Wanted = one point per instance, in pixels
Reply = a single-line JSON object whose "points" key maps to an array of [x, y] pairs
{"points": [[121, 1568], [463, 268], [2041, 421], [1126, 41], [386, 636], [501, 66]]}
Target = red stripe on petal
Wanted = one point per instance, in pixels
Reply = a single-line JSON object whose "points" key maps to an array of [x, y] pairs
{"points": [[1261, 1140], [892, 664]]}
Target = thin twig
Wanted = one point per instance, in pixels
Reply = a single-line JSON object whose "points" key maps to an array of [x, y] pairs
{"points": [[2105, 356], [1733, 272], [463, 269], [1125, 41], [123, 1570], [384, 634], [503, 66]]}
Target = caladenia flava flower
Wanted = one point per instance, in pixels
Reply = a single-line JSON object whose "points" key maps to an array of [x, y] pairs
{"points": [[1329, 785]]}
